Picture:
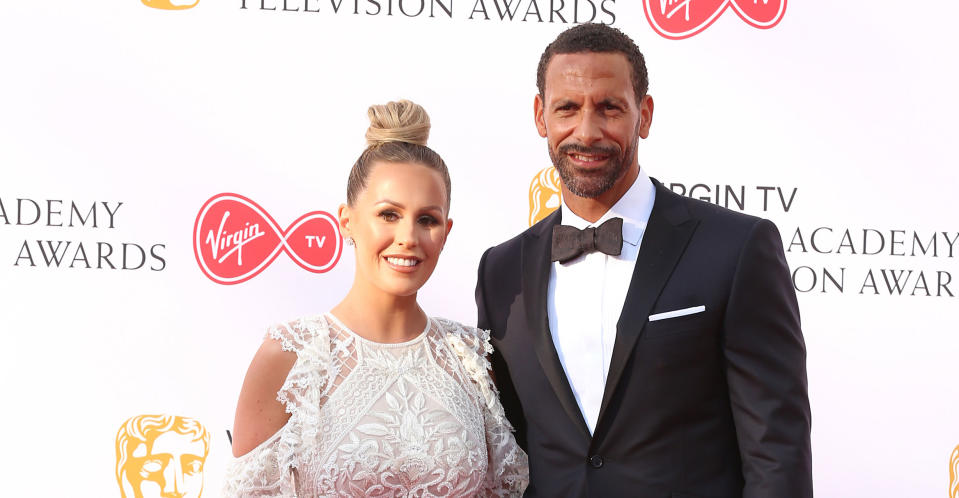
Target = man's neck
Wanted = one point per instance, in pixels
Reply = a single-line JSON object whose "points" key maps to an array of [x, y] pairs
{"points": [[592, 209]]}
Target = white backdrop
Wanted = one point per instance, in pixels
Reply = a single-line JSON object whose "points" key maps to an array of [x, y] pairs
{"points": [[848, 108]]}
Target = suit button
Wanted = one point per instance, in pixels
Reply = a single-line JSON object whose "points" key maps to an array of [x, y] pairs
{"points": [[596, 461]]}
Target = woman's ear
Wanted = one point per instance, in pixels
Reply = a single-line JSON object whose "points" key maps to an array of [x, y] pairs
{"points": [[449, 226], [343, 214]]}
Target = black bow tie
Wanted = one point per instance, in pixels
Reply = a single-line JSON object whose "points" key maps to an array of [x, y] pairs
{"points": [[570, 242]]}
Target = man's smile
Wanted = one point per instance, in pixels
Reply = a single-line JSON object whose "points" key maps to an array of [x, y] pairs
{"points": [[587, 161]]}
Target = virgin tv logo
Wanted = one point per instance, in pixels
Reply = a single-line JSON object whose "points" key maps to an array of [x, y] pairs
{"points": [[678, 19], [234, 239]]}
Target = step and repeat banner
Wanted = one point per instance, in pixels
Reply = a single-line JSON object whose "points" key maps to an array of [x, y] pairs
{"points": [[169, 170]]}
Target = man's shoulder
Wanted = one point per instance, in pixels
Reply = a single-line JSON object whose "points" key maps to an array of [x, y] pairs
{"points": [[706, 213], [723, 230], [511, 248]]}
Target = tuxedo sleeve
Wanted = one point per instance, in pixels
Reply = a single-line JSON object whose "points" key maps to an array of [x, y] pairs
{"points": [[766, 371], [485, 283], [482, 316]]}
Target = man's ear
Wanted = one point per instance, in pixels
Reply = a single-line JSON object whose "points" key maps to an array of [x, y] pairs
{"points": [[343, 214], [538, 109], [645, 115]]}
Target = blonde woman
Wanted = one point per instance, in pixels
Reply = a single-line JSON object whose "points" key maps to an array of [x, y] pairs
{"points": [[376, 398]]}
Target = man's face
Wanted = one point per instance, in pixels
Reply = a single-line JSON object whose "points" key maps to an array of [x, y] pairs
{"points": [[172, 467], [592, 122]]}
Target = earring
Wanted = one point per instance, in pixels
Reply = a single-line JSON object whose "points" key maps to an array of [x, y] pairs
{"points": [[349, 241]]}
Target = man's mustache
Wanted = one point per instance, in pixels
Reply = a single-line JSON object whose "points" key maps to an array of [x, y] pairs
{"points": [[594, 150]]}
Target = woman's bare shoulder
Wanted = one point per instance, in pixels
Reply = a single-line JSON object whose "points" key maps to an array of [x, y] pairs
{"points": [[259, 414]]}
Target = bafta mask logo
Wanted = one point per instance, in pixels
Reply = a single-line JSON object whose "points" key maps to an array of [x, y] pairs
{"points": [[954, 474], [161, 456], [544, 195], [171, 4]]}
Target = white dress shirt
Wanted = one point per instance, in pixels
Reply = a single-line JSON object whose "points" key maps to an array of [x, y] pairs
{"points": [[586, 294]]}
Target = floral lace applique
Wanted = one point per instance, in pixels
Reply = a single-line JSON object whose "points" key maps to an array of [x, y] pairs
{"points": [[419, 418]]}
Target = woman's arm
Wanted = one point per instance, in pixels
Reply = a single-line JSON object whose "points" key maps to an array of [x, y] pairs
{"points": [[259, 415]]}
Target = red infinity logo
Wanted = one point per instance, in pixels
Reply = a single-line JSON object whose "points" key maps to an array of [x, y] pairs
{"points": [[234, 239], [678, 19]]}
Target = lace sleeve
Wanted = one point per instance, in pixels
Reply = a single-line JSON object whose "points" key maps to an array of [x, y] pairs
{"points": [[508, 473], [266, 471], [259, 473]]}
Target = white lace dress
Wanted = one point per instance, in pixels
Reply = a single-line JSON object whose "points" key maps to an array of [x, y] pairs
{"points": [[419, 418]]}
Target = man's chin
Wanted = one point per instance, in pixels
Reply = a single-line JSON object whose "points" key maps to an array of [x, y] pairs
{"points": [[589, 190]]}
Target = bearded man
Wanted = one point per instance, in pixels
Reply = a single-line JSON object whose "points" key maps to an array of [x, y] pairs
{"points": [[647, 344]]}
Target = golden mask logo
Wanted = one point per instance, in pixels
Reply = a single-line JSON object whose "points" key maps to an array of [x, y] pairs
{"points": [[171, 4], [954, 473], [161, 456], [544, 195]]}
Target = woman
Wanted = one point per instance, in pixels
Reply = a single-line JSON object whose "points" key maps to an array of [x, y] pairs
{"points": [[375, 398]]}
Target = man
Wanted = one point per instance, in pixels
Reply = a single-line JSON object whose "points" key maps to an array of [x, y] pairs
{"points": [[672, 363]]}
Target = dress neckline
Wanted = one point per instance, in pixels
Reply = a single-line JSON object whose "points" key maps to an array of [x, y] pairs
{"points": [[419, 337]]}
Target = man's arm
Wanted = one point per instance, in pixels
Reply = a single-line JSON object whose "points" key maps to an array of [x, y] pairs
{"points": [[500, 373], [482, 317], [766, 371]]}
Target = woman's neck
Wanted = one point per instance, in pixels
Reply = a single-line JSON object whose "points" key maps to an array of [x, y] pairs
{"points": [[379, 316]]}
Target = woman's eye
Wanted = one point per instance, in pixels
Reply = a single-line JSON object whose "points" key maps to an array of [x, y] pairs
{"points": [[428, 220], [389, 216]]}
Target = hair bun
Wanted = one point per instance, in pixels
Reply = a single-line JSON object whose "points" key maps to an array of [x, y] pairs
{"points": [[401, 121]]}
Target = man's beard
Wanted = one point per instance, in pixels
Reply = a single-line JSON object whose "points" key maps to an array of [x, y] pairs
{"points": [[596, 182]]}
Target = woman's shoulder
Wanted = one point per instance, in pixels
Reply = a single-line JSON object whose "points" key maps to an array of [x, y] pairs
{"points": [[471, 346], [305, 334], [474, 338], [293, 357]]}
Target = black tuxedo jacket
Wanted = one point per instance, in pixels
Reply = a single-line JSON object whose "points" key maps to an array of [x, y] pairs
{"points": [[712, 404]]}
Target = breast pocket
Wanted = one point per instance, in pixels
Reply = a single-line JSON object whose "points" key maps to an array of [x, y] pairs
{"points": [[703, 322], [671, 345]]}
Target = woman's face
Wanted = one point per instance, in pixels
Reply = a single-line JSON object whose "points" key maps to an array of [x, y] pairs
{"points": [[399, 225]]}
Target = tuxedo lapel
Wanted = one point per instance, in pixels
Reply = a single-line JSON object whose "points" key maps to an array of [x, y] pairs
{"points": [[667, 234], [536, 268]]}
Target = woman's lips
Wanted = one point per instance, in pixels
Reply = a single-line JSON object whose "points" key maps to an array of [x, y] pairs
{"points": [[403, 264]]}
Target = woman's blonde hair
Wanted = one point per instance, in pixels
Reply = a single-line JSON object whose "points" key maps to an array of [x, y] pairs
{"points": [[397, 134]]}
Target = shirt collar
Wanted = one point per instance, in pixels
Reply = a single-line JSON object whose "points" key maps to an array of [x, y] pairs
{"points": [[633, 207]]}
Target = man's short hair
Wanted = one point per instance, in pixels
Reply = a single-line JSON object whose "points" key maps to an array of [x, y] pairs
{"points": [[598, 38]]}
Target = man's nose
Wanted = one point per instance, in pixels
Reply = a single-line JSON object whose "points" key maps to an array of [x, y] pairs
{"points": [[589, 129], [173, 481]]}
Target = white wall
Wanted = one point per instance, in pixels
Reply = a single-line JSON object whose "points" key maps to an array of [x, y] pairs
{"points": [[848, 107]]}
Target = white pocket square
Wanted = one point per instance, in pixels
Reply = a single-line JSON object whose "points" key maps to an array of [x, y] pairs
{"points": [[676, 313]]}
